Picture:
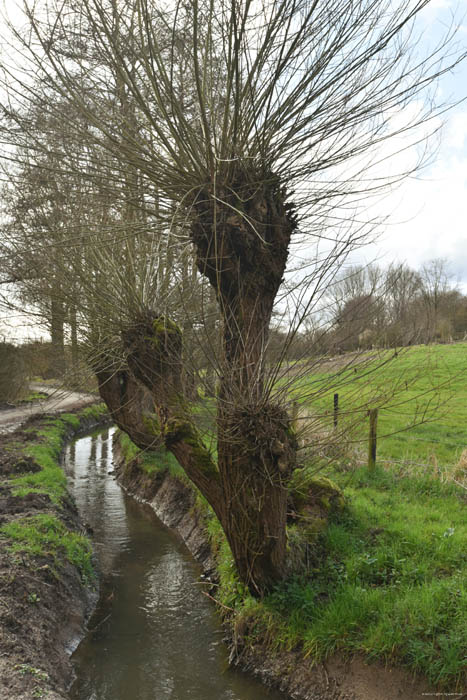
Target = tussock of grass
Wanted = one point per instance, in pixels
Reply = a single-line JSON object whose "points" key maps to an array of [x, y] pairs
{"points": [[150, 461], [45, 535]]}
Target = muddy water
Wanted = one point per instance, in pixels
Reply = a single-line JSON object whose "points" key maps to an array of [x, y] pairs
{"points": [[154, 635]]}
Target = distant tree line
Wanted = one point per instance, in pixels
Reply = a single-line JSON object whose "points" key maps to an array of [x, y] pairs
{"points": [[373, 306]]}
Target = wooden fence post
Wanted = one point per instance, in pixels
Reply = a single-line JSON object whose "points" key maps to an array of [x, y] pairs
{"points": [[336, 409], [373, 413]]}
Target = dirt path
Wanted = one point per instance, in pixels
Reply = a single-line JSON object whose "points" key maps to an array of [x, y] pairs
{"points": [[58, 400]]}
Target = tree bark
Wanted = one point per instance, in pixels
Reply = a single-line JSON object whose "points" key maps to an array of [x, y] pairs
{"points": [[128, 402], [154, 354], [256, 451], [244, 258]]}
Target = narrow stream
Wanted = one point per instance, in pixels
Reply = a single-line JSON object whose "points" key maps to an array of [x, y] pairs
{"points": [[154, 635]]}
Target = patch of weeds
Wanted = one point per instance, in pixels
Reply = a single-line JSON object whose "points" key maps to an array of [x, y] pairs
{"points": [[161, 460], [426, 629], [232, 592], [129, 450], [34, 396], [296, 599], [70, 419], [95, 411], [26, 669], [45, 535], [50, 480]]}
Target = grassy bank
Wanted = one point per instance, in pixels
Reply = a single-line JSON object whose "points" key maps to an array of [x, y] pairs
{"points": [[34, 452], [42, 447], [387, 578], [46, 570]]}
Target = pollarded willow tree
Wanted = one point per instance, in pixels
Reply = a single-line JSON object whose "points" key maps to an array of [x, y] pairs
{"points": [[258, 123]]}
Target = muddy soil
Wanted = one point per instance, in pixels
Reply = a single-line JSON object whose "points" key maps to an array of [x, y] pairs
{"points": [[43, 602], [338, 679]]}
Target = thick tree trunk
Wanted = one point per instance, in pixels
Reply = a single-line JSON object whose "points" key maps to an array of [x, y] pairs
{"points": [[242, 248], [256, 451], [128, 402], [244, 258], [154, 356], [256, 448]]}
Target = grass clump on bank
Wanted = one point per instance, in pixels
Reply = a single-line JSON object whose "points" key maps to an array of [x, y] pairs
{"points": [[45, 535], [153, 461]]}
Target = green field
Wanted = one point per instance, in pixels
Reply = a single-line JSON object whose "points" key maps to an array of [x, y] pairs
{"points": [[421, 396]]}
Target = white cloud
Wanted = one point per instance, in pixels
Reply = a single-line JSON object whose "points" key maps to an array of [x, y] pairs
{"points": [[429, 215]]}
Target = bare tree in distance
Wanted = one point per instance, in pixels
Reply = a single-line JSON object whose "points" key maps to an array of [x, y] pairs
{"points": [[436, 281], [285, 136]]}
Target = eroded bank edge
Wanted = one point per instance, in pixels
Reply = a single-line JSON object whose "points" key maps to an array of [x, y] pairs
{"points": [[47, 585]]}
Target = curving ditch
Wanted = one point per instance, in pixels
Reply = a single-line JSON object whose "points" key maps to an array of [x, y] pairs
{"points": [[154, 635]]}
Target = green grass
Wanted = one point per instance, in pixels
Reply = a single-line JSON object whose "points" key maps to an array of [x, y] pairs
{"points": [[388, 579], [422, 399], [150, 461], [45, 535], [51, 480], [392, 582], [33, 397]]}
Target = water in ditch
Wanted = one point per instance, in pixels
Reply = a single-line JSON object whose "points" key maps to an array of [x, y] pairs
{"points": [[154, 635]]}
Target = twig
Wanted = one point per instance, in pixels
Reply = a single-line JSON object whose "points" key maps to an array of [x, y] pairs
{"points": [[217, 602], [91, 631]]}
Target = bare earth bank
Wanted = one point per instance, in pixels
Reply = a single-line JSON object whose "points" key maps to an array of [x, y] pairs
{"points": [[43, 603]]}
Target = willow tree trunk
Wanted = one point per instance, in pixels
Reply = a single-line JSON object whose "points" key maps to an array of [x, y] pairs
{"points": [[242, 244]]}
